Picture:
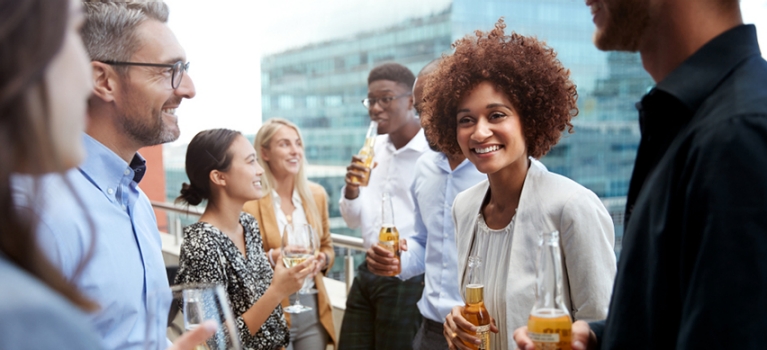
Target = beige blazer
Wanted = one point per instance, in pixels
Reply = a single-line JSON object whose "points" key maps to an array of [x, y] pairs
{"points": [[263, 211], [548, 202]]}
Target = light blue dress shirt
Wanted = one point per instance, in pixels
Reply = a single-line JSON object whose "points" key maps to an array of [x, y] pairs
{"points": [[126, 272], [432, 248]]}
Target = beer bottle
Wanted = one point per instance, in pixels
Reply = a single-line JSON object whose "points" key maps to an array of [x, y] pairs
{"points": [[388, 237], [367, 153], [475, 311], [549, 324]]}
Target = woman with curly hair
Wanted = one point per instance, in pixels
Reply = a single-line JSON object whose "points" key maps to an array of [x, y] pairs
{"points": [[503, 102]]}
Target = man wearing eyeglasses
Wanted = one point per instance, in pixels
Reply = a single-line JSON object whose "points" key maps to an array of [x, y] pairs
{"points": [[110, 245], [381, 312]]}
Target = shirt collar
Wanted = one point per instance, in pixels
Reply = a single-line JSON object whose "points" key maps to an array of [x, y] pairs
{"points": [[700, 74], [441, 160], [296, 198], [417, 143], [106, 169]]}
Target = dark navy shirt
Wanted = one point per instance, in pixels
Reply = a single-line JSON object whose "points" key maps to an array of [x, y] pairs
{"points": [[693, 270]]}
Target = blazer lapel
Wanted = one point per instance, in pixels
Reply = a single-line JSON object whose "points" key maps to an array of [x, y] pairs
{"points": [[269, 227]]}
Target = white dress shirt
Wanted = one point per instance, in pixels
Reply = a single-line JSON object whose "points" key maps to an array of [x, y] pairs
{"points": [[394, 174], [297, 218], [432, 248]]}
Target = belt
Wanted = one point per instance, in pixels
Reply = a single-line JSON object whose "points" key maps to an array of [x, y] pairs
{"points": [[433, 326]]}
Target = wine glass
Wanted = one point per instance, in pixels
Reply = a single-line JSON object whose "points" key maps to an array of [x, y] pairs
{"points": [[308, 282], [175, 310], [298, 244]]}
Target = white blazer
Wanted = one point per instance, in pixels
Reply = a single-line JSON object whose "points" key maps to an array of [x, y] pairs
{"points": [[548, 202]]}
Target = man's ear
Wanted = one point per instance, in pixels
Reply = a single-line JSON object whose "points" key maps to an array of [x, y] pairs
{"points": [[104, 81], [217, 178]]}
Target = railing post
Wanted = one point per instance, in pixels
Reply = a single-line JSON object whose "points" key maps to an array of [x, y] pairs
{"points": [[177, 229], [349, 269]]}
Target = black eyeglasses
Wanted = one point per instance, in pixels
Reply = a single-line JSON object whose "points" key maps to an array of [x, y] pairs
{"points": [[177, 69], [383, 101]]}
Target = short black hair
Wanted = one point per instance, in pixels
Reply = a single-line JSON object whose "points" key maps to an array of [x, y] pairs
{"points": [[394, 72]]}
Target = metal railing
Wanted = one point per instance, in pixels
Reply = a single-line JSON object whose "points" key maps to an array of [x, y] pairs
{"points": [[175, 227]]}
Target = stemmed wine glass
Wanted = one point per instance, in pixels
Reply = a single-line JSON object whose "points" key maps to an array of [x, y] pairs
{"points": [[298, 244], [182, 308]]}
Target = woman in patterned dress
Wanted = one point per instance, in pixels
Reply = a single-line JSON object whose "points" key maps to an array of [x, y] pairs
{"points": [[225, 246]]}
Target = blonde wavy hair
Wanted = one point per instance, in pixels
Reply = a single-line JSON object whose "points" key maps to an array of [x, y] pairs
{"points": [[263, 140]]}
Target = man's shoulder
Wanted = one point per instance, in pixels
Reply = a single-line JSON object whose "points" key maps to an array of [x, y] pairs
{"points": [[427, 162], [742, 93]]}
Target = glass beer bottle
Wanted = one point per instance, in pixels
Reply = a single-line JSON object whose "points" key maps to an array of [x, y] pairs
{"points": [[366, 154], [388, 237], [549, 324], [475, 311]]}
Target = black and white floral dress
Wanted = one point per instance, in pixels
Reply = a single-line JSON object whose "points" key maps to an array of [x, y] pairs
{"points": [[209, 256]]}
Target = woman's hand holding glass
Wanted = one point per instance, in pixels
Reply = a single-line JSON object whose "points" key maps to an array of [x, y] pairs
{"points": [[300, 246], [287, 280]]}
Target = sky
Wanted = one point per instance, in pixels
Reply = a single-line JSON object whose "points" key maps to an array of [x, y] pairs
{"points": [[225, 41]]}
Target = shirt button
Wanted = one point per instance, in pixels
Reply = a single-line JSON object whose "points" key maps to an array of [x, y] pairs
{"points": [[444, 265], [126, 172], [110, 191], [124, 207]]}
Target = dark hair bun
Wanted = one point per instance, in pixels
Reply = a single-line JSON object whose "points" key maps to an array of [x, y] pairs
{"points": [[190, 194]]}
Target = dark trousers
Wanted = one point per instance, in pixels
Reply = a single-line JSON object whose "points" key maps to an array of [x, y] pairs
{"points": [[430, 336], [381, 312]]}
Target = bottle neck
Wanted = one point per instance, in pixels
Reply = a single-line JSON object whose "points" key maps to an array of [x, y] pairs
{"points": [[550, 276], [387, 211], [475, 293]]}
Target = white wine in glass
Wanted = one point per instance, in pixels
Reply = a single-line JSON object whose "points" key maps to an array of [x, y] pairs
{"points": [[298, 244]]}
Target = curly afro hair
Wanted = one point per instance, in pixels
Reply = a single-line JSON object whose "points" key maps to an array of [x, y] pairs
{"points": [[523, 68]]}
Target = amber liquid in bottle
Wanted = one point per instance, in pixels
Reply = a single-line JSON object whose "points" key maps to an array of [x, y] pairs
{"points": [[366, 154], [476, 313], [549, 324], [388, 237]]}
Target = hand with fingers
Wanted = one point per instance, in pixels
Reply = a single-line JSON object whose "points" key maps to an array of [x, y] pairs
{"points": [[583, 338], [355, 172], [382, 261], [320, 264], [460, 333], [288, 281]]}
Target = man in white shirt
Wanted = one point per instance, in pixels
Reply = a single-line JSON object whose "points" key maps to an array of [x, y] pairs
{"points": [[438, 179], [381, 312]]}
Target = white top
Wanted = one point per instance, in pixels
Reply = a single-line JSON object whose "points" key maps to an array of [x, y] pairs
{"points": [[432, 248], [394, 174], [548, 202], [494, 247], [298, 218]]}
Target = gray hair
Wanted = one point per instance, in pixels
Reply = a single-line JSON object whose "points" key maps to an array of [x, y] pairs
{"points": [[109, 32]]}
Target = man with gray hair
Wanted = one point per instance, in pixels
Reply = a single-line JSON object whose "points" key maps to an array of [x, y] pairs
{"points": [[139, 78]]}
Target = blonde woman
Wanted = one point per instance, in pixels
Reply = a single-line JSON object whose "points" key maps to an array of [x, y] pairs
{"points": [[289, 198]]}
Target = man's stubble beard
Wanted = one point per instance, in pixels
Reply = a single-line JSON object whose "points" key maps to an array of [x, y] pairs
{"points": [[627, 23], [146, 131]]}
